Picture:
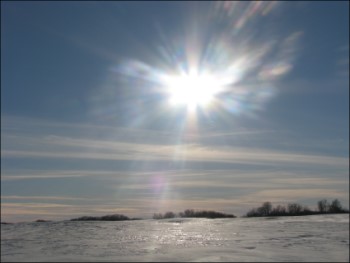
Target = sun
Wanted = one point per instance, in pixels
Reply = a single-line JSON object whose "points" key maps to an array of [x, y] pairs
{"points": [[192, 90]]}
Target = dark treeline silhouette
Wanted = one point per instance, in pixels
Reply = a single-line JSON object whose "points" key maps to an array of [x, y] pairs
{"points": [[42, 221], [166, 215], [334, 207], [292, 209], [295, 209], [191, 213], [115, 217]]}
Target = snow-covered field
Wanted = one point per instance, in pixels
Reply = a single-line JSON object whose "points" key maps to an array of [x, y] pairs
{"points": [[304, 238]]}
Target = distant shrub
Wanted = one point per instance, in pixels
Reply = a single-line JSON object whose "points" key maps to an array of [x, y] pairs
{"points": [[165, 216], [295, 209], [85, 218], [322, 206], [253, 213], [278, 211], [335, 207], [157, 216], [115, 217], [42, 220], [205, 214], [188, 213], [265, 209], [169, 215]]}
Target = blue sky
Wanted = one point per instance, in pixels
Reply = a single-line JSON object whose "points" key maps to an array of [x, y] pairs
{"points": [[88, 127]]}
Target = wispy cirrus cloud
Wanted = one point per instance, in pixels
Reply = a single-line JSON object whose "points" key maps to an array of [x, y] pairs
{"points": [[288, 195], [14, 127], [143, 193], [50, 198], [147, 205], [230, 191], [78, 148], [27, 138], [143, 188]]}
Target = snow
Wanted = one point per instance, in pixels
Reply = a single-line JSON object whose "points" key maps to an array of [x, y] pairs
{"points": [[304, 238]]}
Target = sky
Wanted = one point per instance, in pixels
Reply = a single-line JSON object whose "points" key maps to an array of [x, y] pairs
{"points": [[138, 108]]}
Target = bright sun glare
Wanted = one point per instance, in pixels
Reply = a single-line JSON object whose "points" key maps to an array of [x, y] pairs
{"points": [[192, 89]]}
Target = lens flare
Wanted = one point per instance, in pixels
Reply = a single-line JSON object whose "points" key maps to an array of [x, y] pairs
{"points": [[192, 90], [219, 65]]}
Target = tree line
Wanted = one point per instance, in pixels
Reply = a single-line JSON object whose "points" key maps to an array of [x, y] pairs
{"points": [[115, 217], [266, 209], [295, 209], [190, 213]]}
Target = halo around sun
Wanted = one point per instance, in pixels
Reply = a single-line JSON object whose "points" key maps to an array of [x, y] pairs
{"points": [[192, 89]]}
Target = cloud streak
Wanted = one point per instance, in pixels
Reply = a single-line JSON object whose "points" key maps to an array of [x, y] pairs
{"points": [[65, 147]]}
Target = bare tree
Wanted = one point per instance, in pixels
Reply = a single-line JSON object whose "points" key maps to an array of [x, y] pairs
{"points": [[278, 211], [294, 209], [157, 216], [335, 206], [267, 207], [322, 206], [169, 215]]}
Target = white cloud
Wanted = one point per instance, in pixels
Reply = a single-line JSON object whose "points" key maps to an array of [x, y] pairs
{"points": [[291, 174], [53, 146]]}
